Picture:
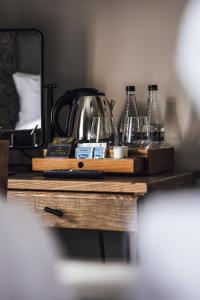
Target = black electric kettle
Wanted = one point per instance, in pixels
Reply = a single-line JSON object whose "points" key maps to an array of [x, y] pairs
{"points": [[82, 105]]}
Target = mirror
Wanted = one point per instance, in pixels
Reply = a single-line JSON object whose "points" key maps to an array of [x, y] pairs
{"points": [[21, 81]]}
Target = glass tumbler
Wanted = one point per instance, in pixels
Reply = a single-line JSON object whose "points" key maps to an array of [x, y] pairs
{"points": [[131, 134], [145, 132], [103, 129]]}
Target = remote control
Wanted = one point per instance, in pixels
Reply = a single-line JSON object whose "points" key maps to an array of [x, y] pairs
{"points": [[78, 174]]}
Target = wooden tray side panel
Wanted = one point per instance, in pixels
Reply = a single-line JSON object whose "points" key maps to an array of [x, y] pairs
{"points": [[134, 165], [143, 161], [155, 160], [160, 161]]}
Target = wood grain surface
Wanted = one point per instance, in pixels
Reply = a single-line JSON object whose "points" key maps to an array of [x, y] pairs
{"points": [[108, 165], [82, 210], [111, 184], [109, 204]]}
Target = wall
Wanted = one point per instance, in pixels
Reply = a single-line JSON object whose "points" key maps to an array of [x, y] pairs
{"points": [[108, 44]]}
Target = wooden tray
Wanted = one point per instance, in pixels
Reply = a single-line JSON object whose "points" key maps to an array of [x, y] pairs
{"points": [[141, 160], [107, 165]]}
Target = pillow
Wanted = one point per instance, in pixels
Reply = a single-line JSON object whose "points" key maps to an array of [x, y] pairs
{"points": [[29, 90]]}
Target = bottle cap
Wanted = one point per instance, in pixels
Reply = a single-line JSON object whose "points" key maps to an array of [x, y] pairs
{"points": [[153, 87], [130, 88]]}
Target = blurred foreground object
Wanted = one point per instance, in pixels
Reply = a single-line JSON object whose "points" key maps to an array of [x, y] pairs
{"points": [[97, 281], [170, 247], [188, 51], [28, 258]]}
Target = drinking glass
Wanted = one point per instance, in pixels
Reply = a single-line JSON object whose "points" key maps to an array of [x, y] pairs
{"points": [[145, 132], [131, 134], [103, 129]]}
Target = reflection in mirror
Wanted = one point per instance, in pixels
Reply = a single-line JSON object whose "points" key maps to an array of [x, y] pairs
{"points": [[20, 85]]}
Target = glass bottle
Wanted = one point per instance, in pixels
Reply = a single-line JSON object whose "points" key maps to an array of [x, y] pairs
{"points": [[155, 118], [129, 110]]}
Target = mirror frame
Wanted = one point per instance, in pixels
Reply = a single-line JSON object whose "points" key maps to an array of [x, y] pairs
{"points": [[8, 133]]}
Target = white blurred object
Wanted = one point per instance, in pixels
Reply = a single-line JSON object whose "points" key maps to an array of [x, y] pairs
{"points": [[28, 258], [170, 247], [29, 90], [95, 280], [169, 230], [188, 51]]}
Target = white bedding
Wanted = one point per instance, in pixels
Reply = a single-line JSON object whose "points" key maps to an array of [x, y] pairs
{"points": [[29, 90]]}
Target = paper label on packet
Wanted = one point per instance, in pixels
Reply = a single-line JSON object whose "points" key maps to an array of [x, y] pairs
{"points": [[84, 152], [99, 152], [92, 145]]}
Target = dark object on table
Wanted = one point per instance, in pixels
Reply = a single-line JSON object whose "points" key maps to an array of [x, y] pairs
{"points": [[24, 139], [74, 174]]}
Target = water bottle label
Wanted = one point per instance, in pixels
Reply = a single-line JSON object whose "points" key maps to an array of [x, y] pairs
{"points": [[157, 136], [136, 136], [144, 136]]}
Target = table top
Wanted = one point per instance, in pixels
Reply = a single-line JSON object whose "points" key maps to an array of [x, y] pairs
{"points": [[110, 184]]}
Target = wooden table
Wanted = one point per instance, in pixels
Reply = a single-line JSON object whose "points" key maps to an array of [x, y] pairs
{"points": [[108, 204]]}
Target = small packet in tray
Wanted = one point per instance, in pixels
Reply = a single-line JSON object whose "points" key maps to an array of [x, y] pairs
{"points": [[84, 152], [99, 152]]}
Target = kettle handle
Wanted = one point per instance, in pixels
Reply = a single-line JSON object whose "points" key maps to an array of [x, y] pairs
{"points": [[66, 99], [62, 101]]}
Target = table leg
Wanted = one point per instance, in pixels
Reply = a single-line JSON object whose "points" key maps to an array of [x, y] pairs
{"points": [[128, 250], [101, 246]]}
